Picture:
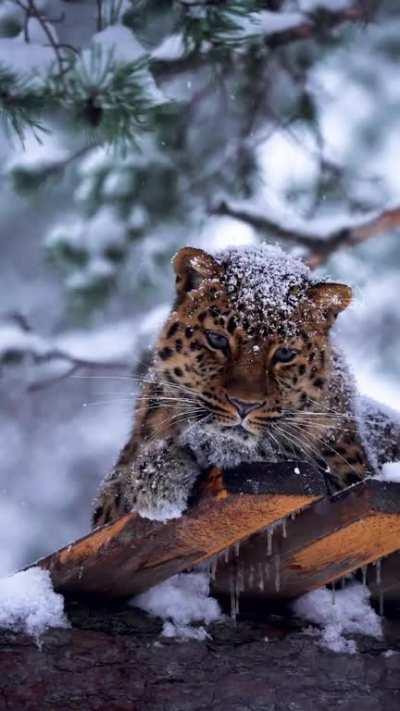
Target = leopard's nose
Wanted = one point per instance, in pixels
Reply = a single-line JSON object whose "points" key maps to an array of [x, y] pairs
{"points": [[242, 406]]}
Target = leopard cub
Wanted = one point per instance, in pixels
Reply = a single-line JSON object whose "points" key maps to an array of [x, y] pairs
{"points": [[245, 369]]}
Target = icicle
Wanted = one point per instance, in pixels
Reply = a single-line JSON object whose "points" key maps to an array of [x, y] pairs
{"points": [[251, 576], [267, 571], [277, 563], [333, 594], [293, 515], [260, 577], [237, 591], [241, 580], [237, 549], [213, 568], [378, 572], [284, 529], [364, 574], [232, 596], [381, 602], [226, 555], [270, 534]]}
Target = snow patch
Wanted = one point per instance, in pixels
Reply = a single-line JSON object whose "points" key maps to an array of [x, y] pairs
{"points": [[29, 604], [390, 472], [14, 341], [331, 5], [121, 42], [348, 613], [171, 48], [265, 285], [164, 513], [273, 22], [181, 601]]}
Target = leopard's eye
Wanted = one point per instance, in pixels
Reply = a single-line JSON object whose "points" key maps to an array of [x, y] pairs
{"points": [[217, 340], [284, 355]]}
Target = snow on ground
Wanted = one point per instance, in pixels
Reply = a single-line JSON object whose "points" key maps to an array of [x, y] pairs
{"points": [[348, 612], [181, 601], [29, 604], [390, 472]]}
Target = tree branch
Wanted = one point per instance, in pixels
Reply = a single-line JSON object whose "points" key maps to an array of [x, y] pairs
{"points": [[32, 11], [320, 246], [309, 28]]}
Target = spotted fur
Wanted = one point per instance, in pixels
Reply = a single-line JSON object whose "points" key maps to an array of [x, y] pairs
{"points": [[219, 374]]}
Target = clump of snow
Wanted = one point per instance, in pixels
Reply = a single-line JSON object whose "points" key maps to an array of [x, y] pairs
{"points": [[171, 48], [390, 472], [29, 604], [349, 612], [181, 601], [165, 512], [265, 285], [273, 22], [14, 341], [332, 5], [264, 23], [121, 42]]}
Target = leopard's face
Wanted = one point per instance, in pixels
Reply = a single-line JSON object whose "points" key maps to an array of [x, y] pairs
{"points": [[236, 378], [229, 370]]}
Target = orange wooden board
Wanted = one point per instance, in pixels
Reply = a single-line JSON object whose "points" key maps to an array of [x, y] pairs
{"points": [[332, 538], [135, 553]]}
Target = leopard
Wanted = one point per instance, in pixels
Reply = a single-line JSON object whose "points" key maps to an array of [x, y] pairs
{"points": [[246, 368]]}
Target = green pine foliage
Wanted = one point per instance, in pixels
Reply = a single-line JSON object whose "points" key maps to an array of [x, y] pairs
{"points": [[158, 137]]}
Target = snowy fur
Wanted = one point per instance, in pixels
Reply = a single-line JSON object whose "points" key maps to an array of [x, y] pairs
{"points": [[259, 301]]}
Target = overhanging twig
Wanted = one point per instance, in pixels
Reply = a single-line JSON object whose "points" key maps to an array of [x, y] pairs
{"points": [[320, 246]]}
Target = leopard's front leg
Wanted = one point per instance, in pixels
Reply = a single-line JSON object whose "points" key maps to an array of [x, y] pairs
{"points": [[156, 484]]}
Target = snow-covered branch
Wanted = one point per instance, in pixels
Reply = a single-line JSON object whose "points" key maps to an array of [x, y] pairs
{"points": [[320, 246], [273, 28], [19, 342]]}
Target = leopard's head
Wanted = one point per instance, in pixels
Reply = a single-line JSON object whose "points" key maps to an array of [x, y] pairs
{"points": [[248, 341]]}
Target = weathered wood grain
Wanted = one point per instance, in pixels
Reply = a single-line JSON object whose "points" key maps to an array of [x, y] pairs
{"points": [[135, 553], [332, 538]]}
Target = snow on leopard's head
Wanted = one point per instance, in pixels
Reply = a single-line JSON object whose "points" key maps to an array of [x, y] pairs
{"points": [[248, 339]]}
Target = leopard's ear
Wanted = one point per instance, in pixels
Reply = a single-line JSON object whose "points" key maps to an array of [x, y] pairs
{"points": [[192, 266], [330, 298]]}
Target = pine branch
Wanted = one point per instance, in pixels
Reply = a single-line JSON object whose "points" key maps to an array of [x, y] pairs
{"points": [[32, 11], [320, 246], [311, 27]]}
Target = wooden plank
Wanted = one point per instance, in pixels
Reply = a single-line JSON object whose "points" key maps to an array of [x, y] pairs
{"points": [[330, 539], [134, 553]]}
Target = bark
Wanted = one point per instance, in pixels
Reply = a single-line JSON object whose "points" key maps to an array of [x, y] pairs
{"points": [[114, 658], [320, 246]]}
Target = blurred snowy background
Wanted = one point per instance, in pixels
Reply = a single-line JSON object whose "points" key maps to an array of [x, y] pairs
{"points": [[133, 128]]}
